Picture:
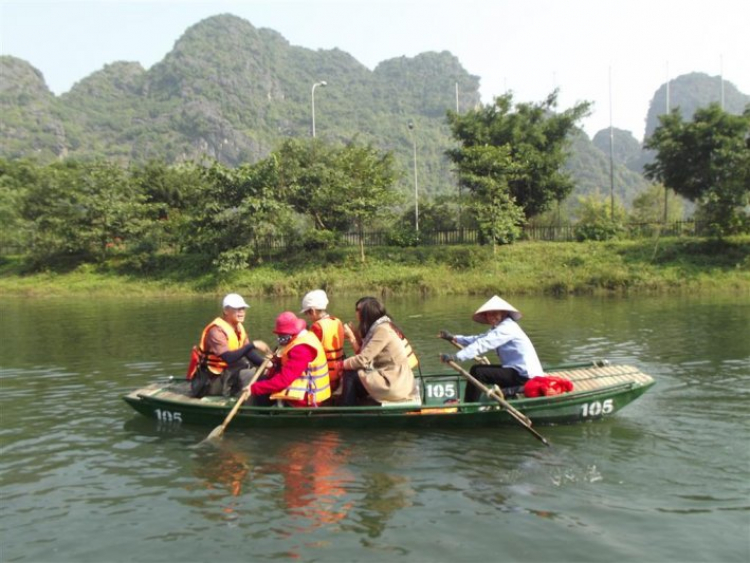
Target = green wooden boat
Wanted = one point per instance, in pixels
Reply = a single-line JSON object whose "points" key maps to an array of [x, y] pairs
{"points": [[599, 389]]}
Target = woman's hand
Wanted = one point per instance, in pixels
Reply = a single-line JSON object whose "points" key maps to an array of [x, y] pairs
{"points": [[351, 336]]}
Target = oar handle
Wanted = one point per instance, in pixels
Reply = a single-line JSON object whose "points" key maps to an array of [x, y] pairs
{"points": [[515, 413], [479, 359], [246, 393]]}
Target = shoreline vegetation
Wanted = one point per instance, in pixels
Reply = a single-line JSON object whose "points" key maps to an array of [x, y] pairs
{"points": [[661, 265]]}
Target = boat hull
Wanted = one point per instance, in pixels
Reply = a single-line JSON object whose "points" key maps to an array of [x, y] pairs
{"points": [[599, 391]]}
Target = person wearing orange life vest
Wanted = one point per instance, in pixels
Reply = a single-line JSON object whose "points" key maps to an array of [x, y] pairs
{"points": [[299, 375], [226, 356], [329, 330]]}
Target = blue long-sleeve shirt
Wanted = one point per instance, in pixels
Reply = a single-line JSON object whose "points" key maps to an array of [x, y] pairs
{"points": [[511, 344]]}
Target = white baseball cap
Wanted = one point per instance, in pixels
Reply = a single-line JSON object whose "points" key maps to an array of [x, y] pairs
{"points": [[316, 299], [235, 301]]}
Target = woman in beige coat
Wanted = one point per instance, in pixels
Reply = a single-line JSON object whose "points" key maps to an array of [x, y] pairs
{"points": [[380, 367]]}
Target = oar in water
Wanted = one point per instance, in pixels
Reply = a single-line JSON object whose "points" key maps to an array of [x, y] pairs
{"points": [[515, 413], [218, 432]]}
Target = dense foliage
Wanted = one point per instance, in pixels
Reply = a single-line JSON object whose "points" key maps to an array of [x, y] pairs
{"points": [[511, 159], [71, 212], [305, 197], [707, 160]]}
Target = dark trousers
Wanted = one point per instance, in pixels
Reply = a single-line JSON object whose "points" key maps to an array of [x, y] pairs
{"points": [[228, 383], [491, 375], [353, 390]]}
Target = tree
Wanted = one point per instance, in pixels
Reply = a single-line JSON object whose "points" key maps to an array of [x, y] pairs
{"points": [[650, 206], [239, 208], [366, 177], [15, 178], [308, 180], [174, 194], [486, 171], [596, 220], [706, 161], [84, 212], [514, 156], [337, 187]]}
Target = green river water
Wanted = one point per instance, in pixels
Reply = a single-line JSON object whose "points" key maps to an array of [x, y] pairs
{"points": [[85, 478]]}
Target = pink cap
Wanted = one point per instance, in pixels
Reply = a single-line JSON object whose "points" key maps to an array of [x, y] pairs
{"points": [[288, 323]]}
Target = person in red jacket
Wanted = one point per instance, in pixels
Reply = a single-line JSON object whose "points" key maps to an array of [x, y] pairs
{"points": [[299, 375]]}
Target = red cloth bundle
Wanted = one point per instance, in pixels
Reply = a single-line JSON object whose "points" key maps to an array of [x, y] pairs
{"points": [[547, 385]]}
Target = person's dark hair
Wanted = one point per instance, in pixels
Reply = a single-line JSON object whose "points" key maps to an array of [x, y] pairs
{"points": [[370, 310]]}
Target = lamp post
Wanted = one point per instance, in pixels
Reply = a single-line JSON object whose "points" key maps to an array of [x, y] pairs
{"points": [[312, 95], [416, 184]]}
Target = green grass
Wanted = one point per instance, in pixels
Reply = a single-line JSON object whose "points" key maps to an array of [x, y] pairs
{"points": [[666, 265]]}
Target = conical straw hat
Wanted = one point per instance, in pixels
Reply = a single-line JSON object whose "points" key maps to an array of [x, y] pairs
{"points": [[495, 304]]}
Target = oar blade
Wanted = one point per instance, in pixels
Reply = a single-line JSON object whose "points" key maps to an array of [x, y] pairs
{"points": [[216, 434], [521, 418]]}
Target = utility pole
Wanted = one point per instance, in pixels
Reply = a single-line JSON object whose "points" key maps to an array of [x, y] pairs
{"points": [[611, 154], [416, 184]]}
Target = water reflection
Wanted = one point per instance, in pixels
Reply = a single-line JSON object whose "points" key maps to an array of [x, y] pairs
{"points": [[305, 481], [384, 494], [315, 479], [224, 468]]}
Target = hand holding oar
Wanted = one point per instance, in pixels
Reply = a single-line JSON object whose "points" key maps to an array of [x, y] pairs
{"points": [[515, 413], [445, 335], [218, 432]]}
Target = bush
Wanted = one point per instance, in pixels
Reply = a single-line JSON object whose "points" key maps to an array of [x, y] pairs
{"points": [[320, 240], [403, 236], [233, 260], [599, 230], [465, 258]]}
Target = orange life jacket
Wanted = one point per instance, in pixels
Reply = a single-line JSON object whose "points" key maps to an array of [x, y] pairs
{"points": [[411, 356], [332, 339], [235, 340], [313, 385]]}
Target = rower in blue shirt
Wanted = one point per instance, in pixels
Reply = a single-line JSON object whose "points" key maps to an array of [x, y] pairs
{"points": [[518, 359]]}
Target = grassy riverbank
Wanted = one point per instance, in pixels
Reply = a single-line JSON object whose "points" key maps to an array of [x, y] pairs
{"points": [[652, 266]]}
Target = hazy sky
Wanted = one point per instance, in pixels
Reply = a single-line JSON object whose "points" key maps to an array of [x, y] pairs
{"points": [[527, 46]]}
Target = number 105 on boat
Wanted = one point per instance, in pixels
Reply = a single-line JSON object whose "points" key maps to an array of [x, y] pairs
{"points": [[597, 408]]}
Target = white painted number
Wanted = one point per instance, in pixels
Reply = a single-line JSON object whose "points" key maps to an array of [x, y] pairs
{"points": [[596, 408], [168, 416], [442, 391]]}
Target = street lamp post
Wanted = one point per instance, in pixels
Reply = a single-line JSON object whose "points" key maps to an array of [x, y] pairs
{"points": [[416, 184], [312, 95]]}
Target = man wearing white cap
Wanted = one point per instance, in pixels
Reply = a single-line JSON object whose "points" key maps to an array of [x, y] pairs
{"points": [[328, 329], [225, 355], [518, 359]]}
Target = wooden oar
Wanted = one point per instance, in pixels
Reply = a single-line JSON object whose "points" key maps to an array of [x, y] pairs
{"points": [[479, 359], [515, 413], [218, 432]]}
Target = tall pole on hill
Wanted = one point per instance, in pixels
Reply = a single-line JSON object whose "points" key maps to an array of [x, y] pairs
{"points": [[666, 194], [458, 181], [312, 96], [721, 78], [416, 184], [611, 155]]}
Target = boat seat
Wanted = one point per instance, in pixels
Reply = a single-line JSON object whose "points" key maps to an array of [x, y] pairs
{"points": [[401, 404], [415, 400]]}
